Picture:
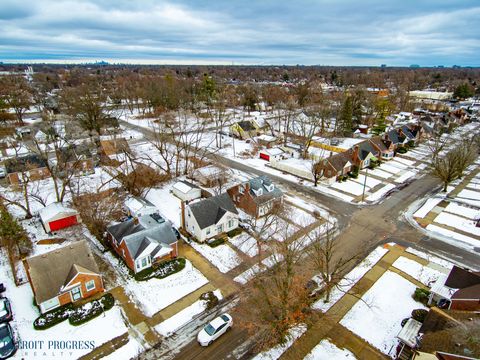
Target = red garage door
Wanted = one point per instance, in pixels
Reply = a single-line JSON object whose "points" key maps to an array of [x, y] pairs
{"points": [[63, 223], [264, 156]]}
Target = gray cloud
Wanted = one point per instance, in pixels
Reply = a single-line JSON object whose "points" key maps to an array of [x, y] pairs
{"points": [[328, 32]]}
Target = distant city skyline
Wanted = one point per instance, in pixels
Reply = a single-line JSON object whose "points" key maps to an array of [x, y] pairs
{"points": [[267, 32]]}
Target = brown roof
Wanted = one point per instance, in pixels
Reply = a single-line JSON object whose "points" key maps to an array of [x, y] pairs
{"points": [[112, 147], [461, 278], [378, 142], [51, 271], [338, 161], [437, 320], [470, 293]]}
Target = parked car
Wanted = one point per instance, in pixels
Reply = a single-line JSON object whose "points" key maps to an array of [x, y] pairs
{"points": [[214, 329], [5, 310], [3, 172], [7, 341]]}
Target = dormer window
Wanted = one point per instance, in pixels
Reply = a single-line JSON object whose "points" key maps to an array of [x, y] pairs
{"points": [[258, 192], [269, 187], [241, 190]]}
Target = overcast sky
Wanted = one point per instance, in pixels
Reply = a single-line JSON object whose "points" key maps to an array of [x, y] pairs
{"points": [[324, 32]]}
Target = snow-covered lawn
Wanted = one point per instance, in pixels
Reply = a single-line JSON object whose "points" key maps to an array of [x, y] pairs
{"points": [[223, 257], [172, 324], [464, 211], [404, 161], [458, 222], [390, 168], [430, 258], [246, 244], [380, 173], [327, 190], [99, 330], [350, 187], [371, 182], [277, 351], [405, 176], [427, 207], [128, 351], [350, 279], [299, 216], [377, 195], [377, 318], [156, 294], [454, 238], [426, 275], [325, 350], [469, 197], [266, 263]]}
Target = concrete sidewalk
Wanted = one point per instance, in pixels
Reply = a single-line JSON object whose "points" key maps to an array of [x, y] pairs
{"points": [[328, 325]]}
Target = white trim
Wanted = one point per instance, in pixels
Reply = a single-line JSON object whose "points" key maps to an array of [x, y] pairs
{"points": [[81, 293], [80, 272], [90, 281]]}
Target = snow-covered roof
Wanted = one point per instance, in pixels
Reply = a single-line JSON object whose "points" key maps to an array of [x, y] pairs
{"points": [[52, 210], [409, 332], [441, 289], [265, 137], [342, 143], [183, 186], [135, 204], [273, 151]]}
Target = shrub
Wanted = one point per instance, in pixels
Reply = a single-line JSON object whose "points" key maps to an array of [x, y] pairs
{"points": [[162, 270], [402, 150], [216, 242], [344, 178], [421, 295], [419, 314], [234, 232], [210, 298], [91, 310], [53, 317]]}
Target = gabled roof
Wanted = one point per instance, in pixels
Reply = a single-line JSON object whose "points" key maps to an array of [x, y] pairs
{"points": [[338, 161], [394, 137], [263, 182], [24, 163], [51, 271], [74, 153], [53, 209], [112, 147], [365, 148], [209, 211], [378, 142], [148, 231], [406, 131], [246, 125], [467, 282]]}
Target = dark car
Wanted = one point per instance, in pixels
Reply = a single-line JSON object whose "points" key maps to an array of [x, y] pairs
{"points": [[7, 342], [5, 310], [177, 234]]}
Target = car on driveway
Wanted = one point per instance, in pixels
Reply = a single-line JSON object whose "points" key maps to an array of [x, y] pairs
{"points": [[214, 329], [5, 310], [7, 342]]}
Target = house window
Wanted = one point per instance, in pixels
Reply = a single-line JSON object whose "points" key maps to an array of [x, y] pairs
{"points": [[219, 228], [366, 162], [231, 223], [90, 285], [240, 189], [76, 293]]}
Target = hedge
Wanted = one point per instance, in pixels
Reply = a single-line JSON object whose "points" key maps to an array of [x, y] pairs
{"points": [[421, 295], [52, 317], [234, 232], [161, 271], [91, 310], [216, 242]]}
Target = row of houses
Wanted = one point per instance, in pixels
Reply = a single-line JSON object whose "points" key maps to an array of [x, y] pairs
{"points": [[81, 158]]}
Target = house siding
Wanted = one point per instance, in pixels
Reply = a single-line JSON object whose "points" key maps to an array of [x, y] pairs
{"points": [[465, 304]]}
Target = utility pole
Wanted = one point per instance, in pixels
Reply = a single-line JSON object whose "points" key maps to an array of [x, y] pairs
{"points": [[364, 184]]}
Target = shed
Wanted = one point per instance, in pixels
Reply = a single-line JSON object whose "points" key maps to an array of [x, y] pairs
{"points": [[57, 216], [137, 206], [274, 154], [186, 191]]}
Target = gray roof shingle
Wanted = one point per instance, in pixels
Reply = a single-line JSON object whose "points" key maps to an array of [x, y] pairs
{"points": [[209, 211]]}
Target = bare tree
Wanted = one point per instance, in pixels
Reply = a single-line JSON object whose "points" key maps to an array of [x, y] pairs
{"points": [[326, 256], [277, 300], [17, 94]]}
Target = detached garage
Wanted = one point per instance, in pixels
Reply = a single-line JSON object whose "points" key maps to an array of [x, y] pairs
{"points": [[186, 191], [56, 216]]}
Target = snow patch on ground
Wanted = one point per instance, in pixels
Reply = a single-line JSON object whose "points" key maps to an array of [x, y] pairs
{"points": [[350, 279], [458, 222], [424, 274], [454, 238], [380, 193], [128, 351], [389, 302], [325, 350], [427, 207], [246, 244], [277, 351], [156, 294], [223, 257]]}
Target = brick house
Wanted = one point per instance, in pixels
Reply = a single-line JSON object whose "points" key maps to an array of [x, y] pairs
{"points": [[364, 153], [143, 241], [461, 288], [32, 167], [384, 147], [336, 165], [78, 158], [256, 196], [63, 276]]}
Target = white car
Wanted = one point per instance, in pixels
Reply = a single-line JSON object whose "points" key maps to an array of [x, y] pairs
{"points": [[214, 329]]}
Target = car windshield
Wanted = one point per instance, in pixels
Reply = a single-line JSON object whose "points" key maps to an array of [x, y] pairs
{"points": [[5, 339], [209, 329], [225, 317]]}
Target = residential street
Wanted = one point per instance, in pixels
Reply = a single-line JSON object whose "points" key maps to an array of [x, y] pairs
{"points": [[362, 228]]}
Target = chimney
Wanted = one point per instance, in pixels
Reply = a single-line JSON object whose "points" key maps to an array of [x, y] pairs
{"points": [[135, 220], [355, 153]]}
